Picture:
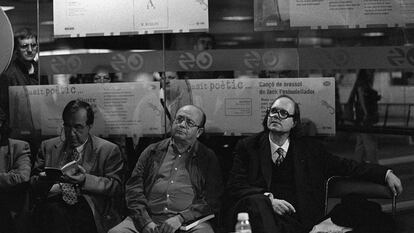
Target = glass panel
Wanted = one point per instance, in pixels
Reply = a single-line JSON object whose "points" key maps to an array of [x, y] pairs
{"points": [[255, 43]]}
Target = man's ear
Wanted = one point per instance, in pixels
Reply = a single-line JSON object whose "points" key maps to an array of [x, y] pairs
{"points": [[200, 131]]}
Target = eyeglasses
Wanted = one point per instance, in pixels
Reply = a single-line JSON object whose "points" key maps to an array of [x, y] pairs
{"points": [[26, 46], [101, 78], [188, 122], [77, 128], [281, 113]]}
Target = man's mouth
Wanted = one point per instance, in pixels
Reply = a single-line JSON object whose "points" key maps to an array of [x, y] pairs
{"points": [[181, 131], [275, 122]]}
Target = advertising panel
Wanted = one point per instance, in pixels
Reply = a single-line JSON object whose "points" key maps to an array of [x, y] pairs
{"points": [[128, 17]]}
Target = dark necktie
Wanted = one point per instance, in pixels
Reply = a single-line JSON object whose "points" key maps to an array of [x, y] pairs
{"points": [[281, 157], [75, 155], [69, 191]]}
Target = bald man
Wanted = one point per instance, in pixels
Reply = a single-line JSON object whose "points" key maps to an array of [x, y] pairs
{"points": [[175, 181]]}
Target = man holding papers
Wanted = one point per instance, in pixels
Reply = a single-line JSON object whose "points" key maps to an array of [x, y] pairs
{"points": [[175, 181], [83, 198]]}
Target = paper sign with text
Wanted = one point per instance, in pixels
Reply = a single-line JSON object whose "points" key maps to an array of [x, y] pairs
{"points": [[120, 108], [238, 105], [128, 17]]}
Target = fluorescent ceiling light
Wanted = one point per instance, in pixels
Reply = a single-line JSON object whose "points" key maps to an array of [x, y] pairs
{"points": [[315, 41], [228, 43], [73, 51], [243, 38], [7, 8], [285, 39], [237, 18], [50, 22], [83, 51], [140, 50], [372, 34]]}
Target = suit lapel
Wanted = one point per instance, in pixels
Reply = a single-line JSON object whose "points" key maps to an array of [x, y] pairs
{"points": [[56, 156], [90, 155], [265, 158], [299, 163], [300, 175]]}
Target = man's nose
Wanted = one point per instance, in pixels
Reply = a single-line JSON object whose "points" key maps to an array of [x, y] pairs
{"points": [[73, 132], [183, 123]]}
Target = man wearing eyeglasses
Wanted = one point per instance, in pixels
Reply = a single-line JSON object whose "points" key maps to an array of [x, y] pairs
{"points": [[23, 68], [175, 181], [86, 197], [278, 176]]}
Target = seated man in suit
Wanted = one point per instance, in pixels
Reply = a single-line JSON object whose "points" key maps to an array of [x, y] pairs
{"points": [[14, 176], [83, 199], [278, 177], [175, 181]]}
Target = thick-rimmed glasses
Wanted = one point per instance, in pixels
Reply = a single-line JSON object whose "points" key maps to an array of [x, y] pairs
{"points": [[104, 78], [280, 113], [188, 122]]}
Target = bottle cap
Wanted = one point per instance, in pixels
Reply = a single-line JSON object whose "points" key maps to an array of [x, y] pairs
{"points": [[242, 216]]}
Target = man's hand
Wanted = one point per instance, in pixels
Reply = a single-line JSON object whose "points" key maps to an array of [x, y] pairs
{"points": [[150, 228], [171, 225], [75, 176], [55, 189], [281, 207], [394, 183]]}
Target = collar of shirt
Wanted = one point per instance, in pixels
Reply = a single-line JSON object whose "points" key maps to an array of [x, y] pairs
{"points": [[190, 149], [274, 146], [81, 148]]}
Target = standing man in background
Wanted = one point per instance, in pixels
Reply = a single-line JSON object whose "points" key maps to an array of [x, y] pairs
{"points": [[22, 71], [366, 112]]}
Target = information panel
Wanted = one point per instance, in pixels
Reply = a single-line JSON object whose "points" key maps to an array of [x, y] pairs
{"points": [[120, 109], [279, 14], [237, 106], [124, 17]]}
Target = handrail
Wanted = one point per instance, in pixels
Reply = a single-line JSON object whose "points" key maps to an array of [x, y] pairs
{"points": [[377, 129], [386, 114]]}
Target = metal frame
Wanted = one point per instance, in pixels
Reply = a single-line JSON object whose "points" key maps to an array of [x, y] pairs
{"points": [[382, 195]]}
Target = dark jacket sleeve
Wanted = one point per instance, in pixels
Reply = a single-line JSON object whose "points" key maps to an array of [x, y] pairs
{"points": [[20, 169], [137, 202], [39, 164], [207, 200], [111, 181], [337, 166], [239, 184]]}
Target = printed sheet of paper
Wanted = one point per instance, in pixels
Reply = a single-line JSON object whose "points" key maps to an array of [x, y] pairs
{"points": [[283, 14], [79, 18]]}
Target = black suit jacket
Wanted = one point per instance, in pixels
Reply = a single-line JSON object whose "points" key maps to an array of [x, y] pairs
{"points": [[313, 165]]}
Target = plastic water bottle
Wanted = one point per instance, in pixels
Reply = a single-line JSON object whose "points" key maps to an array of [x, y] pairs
{"points": [[243, 224]]}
